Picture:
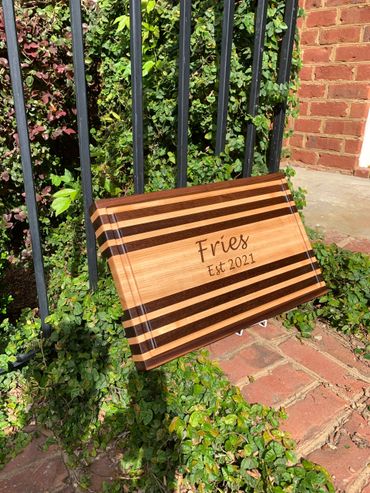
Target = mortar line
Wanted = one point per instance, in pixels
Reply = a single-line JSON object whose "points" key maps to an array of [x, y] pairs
{"points": [[312, 373], [351, 369], [260, 373]]}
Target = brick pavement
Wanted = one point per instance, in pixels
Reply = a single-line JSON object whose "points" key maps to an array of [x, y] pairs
{"points": [[324, 388]]}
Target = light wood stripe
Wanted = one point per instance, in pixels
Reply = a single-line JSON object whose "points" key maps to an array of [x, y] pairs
{"points": [[211, 293], [224, 309], [137, 202], [232, 320], [198, 222], [153, 283], [225, 331], [148, 240], [114, 219]]}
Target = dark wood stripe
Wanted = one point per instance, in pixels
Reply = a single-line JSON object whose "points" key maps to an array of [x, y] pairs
{"points": [[200, 342], [193, 218], [202, 306], [209, 287], [201, 230], [180, 192], [190, 204], [227, 314]]}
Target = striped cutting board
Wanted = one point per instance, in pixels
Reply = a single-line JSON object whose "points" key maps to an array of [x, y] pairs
{"points": [[194, 265]]}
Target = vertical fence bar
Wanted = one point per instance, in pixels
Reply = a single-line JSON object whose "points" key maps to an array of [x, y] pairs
{"points": [[259, 39], [24, 144], [183, 94], [137, 93], [83, 136], [223, 89], [285, 64]]}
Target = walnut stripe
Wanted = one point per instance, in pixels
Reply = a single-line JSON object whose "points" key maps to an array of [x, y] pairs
{"points": [[188, 218], [187, 225], [110, 250], [226, 310], [211, 288], [137, 317], [168, 352], [206, 200], [189, 208], [188, 193], [180, 315], [192, 319], [226, 281]]}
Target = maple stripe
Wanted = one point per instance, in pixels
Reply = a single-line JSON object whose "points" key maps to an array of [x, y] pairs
{"points": [[149, 361], [186, 317], [189, 218], [218, 300], [173, 195], [223, 315], [110, 250], [121, 215], [218, 283], [187, 210], [190, 225]]}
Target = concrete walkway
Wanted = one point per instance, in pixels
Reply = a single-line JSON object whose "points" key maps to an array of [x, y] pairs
{"points": [[337, 204]]}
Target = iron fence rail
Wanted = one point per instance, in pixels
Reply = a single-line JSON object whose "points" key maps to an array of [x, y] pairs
{"points": [[137, 94], [285, 62], [224, 78], [25, 149], [259, 38], [83, 136], [183, 92]]}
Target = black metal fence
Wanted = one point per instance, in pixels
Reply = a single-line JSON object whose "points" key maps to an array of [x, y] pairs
{"points": [[285, 61]]}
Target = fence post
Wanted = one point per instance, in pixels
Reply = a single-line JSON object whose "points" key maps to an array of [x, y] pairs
{"points": [[137, 94], [259, 39], [183, 92], [24, 144], [223, 91], [285, 64], [83, 136]]}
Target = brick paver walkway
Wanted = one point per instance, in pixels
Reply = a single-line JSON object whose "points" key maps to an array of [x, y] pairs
{"points": [[324, 388]]}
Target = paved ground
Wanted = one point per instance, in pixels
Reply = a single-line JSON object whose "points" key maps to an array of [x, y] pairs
{"points": [[336, 202], [323, 387]]}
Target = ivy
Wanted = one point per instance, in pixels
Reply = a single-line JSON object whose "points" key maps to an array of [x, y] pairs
{"points": [[182, 425], [108, 43], [346, 306]]}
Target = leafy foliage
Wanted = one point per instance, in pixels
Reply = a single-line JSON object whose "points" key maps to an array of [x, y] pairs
{"points": [[184, 423], [45, 49], [109, 43], [346, 305], [180, 424]]}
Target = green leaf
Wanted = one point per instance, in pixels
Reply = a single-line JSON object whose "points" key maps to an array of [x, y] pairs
{"points": [[147, 67], [66, 192], [60, 204]]}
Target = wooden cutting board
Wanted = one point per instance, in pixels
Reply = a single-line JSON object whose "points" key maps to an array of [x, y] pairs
{"points": [[193, 265]]}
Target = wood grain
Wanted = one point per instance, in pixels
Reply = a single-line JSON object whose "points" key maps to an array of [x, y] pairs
{"points": [[196, 264]]}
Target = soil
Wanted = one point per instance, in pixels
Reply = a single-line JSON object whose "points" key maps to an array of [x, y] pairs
{"points": [[19, 281]]}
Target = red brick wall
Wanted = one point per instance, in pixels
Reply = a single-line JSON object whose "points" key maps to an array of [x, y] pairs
{"points": [[335, 84]]}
